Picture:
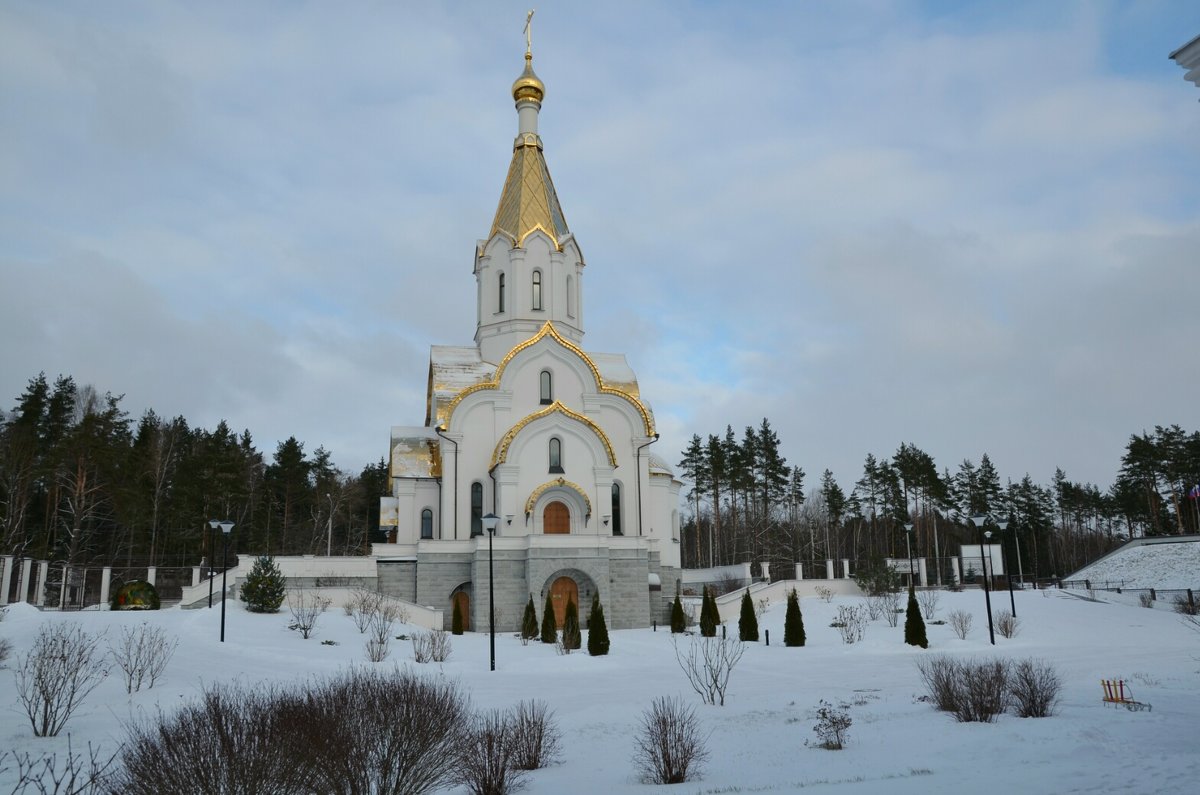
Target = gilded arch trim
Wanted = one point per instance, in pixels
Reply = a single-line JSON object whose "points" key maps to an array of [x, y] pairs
{"points": [[548, 330], [500, 455], [557, 483]]}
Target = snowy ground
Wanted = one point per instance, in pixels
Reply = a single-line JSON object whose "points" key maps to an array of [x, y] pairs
{"points": [[1171, 565], [897, 743]]}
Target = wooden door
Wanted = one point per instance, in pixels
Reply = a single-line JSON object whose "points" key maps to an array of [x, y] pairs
{"points": [[556, 518], [462, 600], [562, 590]]}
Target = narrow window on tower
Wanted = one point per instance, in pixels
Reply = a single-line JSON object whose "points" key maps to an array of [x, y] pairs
{"points": [[476, 508], [547, 388], [537, 289], [426, 523], [500, 303], [570, 296], [616, 509], [556, 456]]}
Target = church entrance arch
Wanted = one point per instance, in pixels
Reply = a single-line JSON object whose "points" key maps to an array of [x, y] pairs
{"points": [[462, 601], [569, 584], [556, 518], [562, 590]]}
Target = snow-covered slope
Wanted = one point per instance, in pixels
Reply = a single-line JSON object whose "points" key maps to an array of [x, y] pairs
{"points": [[1148, 564]]}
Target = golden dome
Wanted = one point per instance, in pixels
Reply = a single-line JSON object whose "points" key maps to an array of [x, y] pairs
{"points": [[528, 86]]}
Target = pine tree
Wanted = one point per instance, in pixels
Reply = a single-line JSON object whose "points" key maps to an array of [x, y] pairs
{"points": [[793, 622], [456, 620], [529, 623], [572, 637], [678, 620], [748, 622], [597, 629], [709, 615], [265, 586], [549, 625], [914, 625]]}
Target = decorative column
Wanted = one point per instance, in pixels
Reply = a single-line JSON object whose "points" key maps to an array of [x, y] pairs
{"points": [[151, 573], [799, 571], [23, 583], [7, 563], [195, 576], [43, 569], [105, 583], [829, 568], [923, 572], [955, 572], [846, 568], [62, 592]]}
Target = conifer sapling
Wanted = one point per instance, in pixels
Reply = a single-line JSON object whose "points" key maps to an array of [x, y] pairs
{"points": [[597, 629], [709, 615], [793, 622], [529, 623], [572, 638], [456, 620], [678, 620], [914, 625], [549, 625], [748, 621]]}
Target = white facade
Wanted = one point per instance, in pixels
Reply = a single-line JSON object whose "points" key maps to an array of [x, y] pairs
{"points": [[528, 426]]}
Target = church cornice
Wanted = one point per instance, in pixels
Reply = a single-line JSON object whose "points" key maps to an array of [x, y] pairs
{"points": [[500, 455], [548, 330]]}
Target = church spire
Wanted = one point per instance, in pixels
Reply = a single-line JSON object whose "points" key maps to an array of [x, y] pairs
{"points": [[528, 201]]}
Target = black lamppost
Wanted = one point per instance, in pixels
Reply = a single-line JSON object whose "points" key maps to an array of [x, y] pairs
{"points": [[979, 519], [226, 529], [908, 529], [1007, 572], [213, 524], [489, 523]]}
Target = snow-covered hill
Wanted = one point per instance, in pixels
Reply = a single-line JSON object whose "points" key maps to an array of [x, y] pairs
{"points": [[1148, 563]]}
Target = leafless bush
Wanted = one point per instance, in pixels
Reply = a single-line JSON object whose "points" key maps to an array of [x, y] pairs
{"points": [[983, 687], [535, 736], [707, 663], [431, 646], [1145, 600], [142, 654], [824, 593], [1185, 607], [306, 608], [941, 677], [383, 619], [960, 622], [485, 756], [57, 673], [670, 747], [5, 649], [833, 726], [233, 740], [875, 606], [891, 607], [1007, 624], [1034, 688], [362, 606], [928, 600], [851, 622], [760, 606], [377, 650], [1191, 622], [77, 775]]}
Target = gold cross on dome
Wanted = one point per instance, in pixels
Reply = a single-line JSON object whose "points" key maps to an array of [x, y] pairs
{"points": [[529, 32]]}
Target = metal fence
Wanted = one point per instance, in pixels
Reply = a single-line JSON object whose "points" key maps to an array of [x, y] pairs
{"points": [[1180, 596]]}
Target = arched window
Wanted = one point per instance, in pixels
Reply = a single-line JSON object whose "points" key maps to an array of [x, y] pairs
{"points": [[547, 388], [570, 296], [556, 456], [537, 289], [477, 508], [500, 303], [427, 523], [616, 510]]}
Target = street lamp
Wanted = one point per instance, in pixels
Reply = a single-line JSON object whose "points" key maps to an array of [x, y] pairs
{"points": [[489, 523], [329, 531], [979, 519], [213, 524], [226, 529], [908, 530], [1007, 572]]}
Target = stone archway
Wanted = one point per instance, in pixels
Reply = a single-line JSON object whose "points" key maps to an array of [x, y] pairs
{"points": [[462, 600], [562, 590], [556, 518]]}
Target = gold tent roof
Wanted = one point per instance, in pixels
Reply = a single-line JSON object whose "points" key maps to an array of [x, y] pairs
{"points": [[528, 201]]}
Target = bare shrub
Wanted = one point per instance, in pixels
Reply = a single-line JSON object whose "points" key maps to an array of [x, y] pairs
{"points": [[362, 607], [941, 676], [1145, 600], [1185, 607], [874, 605], [707, 663], [142, 654], [1191, 622], [5, 649], [760, 606], [485, 756], [234, 739], [77, 775], [306, 608], [851, 622], [727, 583], [377, 650], [983, 688], [431, 646], [891, 607], [928, 600], [535, 736], [960, 622], [833, 726], [670, 747], [59, 671], [1034, 688], [1007, 624], [384, 617], [824, 593]]}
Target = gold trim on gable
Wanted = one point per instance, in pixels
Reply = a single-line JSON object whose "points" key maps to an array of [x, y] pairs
{"points": [[557, 483], [500, 455], [548, 330]]}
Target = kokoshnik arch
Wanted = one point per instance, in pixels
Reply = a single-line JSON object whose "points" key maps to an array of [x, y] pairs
{"points": [[525, 424]]}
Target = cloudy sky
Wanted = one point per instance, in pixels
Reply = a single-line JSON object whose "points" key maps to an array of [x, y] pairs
{"points": [[974, 227]]}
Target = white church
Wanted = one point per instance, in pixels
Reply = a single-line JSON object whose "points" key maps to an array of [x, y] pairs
{"points": [[528, 427]]}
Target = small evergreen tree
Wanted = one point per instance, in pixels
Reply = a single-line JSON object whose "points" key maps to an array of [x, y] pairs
{"points": [[572, 637], [529, 623], [914, 625], [709, 615], [456, 620], [265, 587], [678, 620], [549, 625], [748, 622], [793, 622], [597, 629]]}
